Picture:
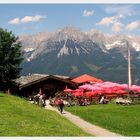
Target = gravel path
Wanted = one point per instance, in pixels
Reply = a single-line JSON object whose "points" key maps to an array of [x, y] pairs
{"points": [[84, 125]]}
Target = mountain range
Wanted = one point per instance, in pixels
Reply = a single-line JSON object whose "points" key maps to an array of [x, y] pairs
{"points": [[72, 52]]}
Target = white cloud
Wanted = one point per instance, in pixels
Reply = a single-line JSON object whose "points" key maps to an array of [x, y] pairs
{"points": [[26, 19], [32, 18], [125, 10], [117, 27], [14, 21], [107, 20], [87, 13], [114, 21], [133, 25]]}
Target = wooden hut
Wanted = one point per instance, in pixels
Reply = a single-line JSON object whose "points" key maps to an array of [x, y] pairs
{"points": [[49, 84]]}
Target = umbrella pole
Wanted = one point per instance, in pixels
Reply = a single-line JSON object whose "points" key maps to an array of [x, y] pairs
{"points": [[129, 69], [75, 105]]}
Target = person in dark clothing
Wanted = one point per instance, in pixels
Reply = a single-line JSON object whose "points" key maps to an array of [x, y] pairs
{"points": [[61, 106]]}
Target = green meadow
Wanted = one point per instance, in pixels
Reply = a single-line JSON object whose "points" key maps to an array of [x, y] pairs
{"points": [[20, 118], [124, 120]]}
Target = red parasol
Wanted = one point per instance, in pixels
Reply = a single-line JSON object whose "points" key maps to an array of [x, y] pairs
{"points": [[68, 90], [121, 91], [78, 90], [88, 94], [77, 94], [135, 88]]}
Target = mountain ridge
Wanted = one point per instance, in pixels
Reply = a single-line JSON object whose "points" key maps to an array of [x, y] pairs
{"points": [[70, 51]]}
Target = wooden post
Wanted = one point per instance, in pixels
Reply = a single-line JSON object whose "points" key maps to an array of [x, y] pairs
{"points": [[8, 91]]}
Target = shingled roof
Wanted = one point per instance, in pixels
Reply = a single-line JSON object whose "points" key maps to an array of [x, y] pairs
{"points": [[25, 81], [30, 78]]}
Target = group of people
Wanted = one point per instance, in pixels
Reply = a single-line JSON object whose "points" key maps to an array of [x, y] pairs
{"points": [[40, 98], [83, 101], [103, 99]]}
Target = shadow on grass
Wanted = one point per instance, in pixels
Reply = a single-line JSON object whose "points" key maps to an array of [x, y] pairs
{"points": [[1, 96]]}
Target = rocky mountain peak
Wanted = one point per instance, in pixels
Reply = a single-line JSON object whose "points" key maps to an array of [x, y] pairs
{"points": [[72, 33]]}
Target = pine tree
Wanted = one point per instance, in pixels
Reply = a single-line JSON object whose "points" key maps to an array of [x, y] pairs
{"points": [[10, 57]]}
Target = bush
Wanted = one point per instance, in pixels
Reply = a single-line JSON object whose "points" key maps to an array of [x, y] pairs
{"points": [[113, 101], [93, 102], [135, 101]]}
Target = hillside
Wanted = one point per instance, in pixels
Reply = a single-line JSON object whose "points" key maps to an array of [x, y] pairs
{"points": [[20, 118]]}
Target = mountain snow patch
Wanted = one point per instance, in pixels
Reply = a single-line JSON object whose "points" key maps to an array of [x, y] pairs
{"points": [[136, 46], [30, 58], [77, 50], [29, 49], [110, 46], [63, 50]]}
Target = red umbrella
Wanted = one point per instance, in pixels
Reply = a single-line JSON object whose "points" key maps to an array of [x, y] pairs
{"points": [[124, 86], [88, 94], [97, 91], [68, 90], [108, 91], [86, 86], [121, 91], [77, 94], [135, 88], [78, 90]]}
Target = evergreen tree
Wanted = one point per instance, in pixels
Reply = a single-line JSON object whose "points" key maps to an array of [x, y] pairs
{"points": [[10, 57]]}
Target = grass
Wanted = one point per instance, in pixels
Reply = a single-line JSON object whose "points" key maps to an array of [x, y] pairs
{"points": [[124, 120], [20, 118]]}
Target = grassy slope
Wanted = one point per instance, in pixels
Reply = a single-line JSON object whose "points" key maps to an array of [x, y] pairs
{"points": [[20, 118], [120, 119]]}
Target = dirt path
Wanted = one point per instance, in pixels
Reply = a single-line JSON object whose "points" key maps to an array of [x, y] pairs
{"points": [[86, 126]]}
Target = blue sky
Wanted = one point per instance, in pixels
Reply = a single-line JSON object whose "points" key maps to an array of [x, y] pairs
{"points": [[34, 18]]}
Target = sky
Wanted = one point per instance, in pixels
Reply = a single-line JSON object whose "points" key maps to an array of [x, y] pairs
{"points": [[24, 19]]}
